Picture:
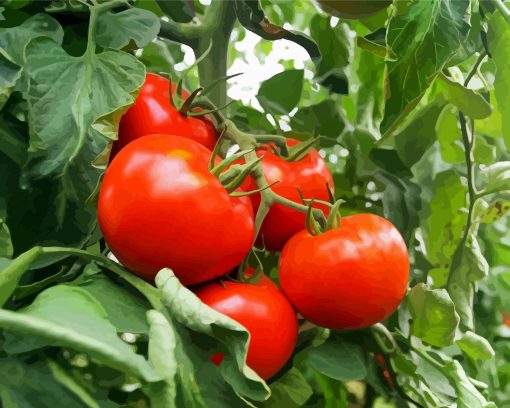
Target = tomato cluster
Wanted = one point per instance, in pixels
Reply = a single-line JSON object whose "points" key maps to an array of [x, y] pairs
{"points": [[161, 206]]}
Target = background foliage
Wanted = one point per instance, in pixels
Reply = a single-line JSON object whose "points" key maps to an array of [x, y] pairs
{"points": [[411, 109]]}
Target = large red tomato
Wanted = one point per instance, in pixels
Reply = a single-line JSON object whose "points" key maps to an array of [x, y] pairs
{"points": [[159, 206], [349, 277], [310, 175], [265, 313], [152, 112]]}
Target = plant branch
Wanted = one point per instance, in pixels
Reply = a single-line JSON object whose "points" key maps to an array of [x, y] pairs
{"points": [[185, 33], [474, 69], [500, 5]]}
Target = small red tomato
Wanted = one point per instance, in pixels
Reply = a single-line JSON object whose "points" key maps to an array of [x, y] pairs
{"points": [[309, 175], [349, 277], [152, 113], [159, 206], [265, 313]]}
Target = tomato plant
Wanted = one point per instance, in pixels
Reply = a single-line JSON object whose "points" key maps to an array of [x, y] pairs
{"points": [[360, 272], [152, 213], [401, 292]]}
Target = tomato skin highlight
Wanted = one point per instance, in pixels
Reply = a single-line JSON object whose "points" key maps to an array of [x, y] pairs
{"points": [[310, 175], [152, 113], [265, 313], [349, 277], [159, 206]]}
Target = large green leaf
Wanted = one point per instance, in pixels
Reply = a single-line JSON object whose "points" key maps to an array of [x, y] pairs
{"points": [[337, 47], [281, 93], [12, 47], [443, 227], [468, 266], [125, 310], [475, 346], [291, 390], [116, 30], [499, 43], [422, 36], [322, 119], [339, 358], [70, 317], [211, 332], [466, 100], [468, 395], [74, 105], [496, 177], [419, 134], [39, 384], [434, 318]]}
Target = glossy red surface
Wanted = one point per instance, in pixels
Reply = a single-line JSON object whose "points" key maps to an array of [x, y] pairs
{"points": [[159, 206], [347, 278], [265, 313], [310, 175], [152, 112]]}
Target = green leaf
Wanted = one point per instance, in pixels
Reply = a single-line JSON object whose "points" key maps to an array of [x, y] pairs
{"points": [[39, 384], [466, 100], [161, 56], [499, 44], [14, 40], [496, 177], [289, 391], [337, 49], [443, 228], [433, 312], [493, 211], [422, 36], [125, 310], [67, 96], [449, 136], [475, 346], [322, 119], [468, 395], [186, 309], [116, 30], [12, 45], [339, 358], [70, 317], [419, 134], [9, 74], [468, 266], [162, 356], [281, 93], [6, 249], [181, 11], [11, 274]]}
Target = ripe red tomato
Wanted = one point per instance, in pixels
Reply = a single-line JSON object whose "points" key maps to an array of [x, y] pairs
{"points": [[159, 206], [152, 112], [349, 277], [265, 313], [310, 175]]}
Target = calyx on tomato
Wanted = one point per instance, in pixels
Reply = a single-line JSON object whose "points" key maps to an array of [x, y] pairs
{"points": [[307, 176], [153, 112], [159, 206]]}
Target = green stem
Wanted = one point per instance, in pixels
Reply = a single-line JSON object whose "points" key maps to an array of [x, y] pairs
{"points": [[473, 70], [500, 5], [149, 291], [216, 28]]}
